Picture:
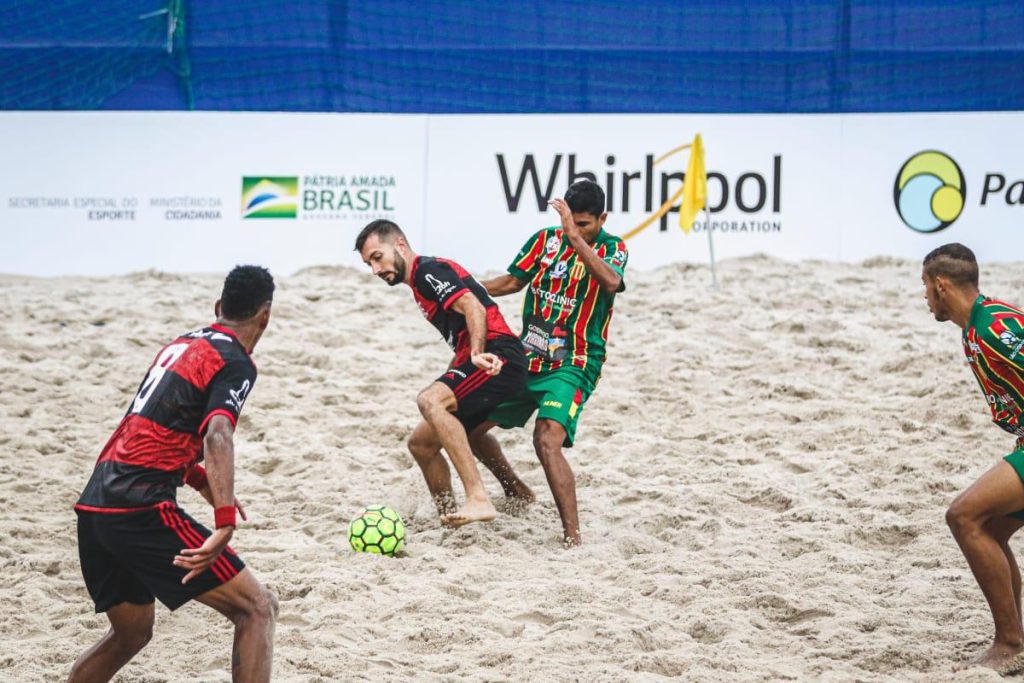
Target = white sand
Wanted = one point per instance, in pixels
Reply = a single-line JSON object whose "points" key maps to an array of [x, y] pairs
{"points": [[762, 477]]}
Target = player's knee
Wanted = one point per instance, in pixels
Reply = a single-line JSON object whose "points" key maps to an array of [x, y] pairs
{"points": [[262, 607], [131, 640], [957, 518], [547, 442], [426, 402], [269, 607], [419, 446]]}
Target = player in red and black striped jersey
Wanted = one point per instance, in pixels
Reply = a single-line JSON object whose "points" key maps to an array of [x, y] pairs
{"points": [[489, 366], [135, 543], [990, 511]]}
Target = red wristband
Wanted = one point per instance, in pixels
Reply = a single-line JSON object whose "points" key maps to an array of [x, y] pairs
{"points": [[224, 516], [195, 477]]}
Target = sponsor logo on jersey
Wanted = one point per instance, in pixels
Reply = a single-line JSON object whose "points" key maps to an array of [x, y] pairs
{"points": [[208, 334], [554, 299], [553, 404], [441, 287], [238, 396], [559, 271]]}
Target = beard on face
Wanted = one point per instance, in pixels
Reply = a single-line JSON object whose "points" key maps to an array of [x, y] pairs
{"points": [[400, 266]]}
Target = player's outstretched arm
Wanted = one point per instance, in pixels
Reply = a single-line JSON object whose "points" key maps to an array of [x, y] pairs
{"points": [[503, 285], [219, 451], [476, 323]]}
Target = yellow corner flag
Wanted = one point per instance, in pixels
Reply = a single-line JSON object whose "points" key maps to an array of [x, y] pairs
{"points": [[695, 187]]}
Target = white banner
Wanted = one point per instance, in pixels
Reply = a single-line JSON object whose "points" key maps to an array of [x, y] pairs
{"points": [[771, 180], [104, 193], [967, 167]]}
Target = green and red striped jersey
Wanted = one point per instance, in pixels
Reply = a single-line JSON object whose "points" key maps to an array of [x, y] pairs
{"points": [[994, 346], [565, 312]]}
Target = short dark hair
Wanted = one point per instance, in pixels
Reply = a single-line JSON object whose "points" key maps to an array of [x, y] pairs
{"points": [[955, 262], [383, 228], [585, 196], [246, 289]]}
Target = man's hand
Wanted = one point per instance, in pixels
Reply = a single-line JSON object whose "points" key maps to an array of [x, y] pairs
{"points": [[568, 224], [198, 560], [487, 361]]}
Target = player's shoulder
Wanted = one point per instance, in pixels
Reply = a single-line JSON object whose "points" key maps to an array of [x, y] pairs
{"points": [[551, 232], [450, 263], [1000, 324], [428, 267], [613, 241], [222, 341], [996, 308]]}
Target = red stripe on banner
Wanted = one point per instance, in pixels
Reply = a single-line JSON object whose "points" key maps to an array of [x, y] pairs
{"points": [[188, 535], [227, 571]]}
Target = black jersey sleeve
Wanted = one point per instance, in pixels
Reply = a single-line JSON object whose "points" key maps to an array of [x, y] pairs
{"points": [[228, 390], [438, 281]]}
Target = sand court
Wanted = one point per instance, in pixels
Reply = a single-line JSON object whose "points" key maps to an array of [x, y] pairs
{"points": [[762, 476]]}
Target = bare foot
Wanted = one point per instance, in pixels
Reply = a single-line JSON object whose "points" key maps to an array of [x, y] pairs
{"points": [[1002, 658], [472, 511], [572, 541]]}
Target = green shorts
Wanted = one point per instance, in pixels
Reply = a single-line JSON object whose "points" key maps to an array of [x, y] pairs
{"points": [[1016, 460], [557, 395]]}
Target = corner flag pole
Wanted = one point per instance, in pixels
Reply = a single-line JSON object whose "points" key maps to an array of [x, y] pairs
{"points": [[711, 247]]}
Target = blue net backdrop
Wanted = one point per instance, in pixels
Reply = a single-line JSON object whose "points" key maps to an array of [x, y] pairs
{"points": [[525, 56]]}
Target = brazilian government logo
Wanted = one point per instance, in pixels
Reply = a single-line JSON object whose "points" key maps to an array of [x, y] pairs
{"points": [[270, 197], [929, 191]]}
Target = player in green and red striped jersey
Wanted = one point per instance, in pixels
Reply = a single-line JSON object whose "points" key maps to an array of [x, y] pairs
{"points": [[573, 271], [990, 511]]}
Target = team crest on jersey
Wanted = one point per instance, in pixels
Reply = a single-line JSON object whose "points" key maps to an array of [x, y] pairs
{"points": [[1011, 341], [619, 259], [238, 396], [551, 249]]}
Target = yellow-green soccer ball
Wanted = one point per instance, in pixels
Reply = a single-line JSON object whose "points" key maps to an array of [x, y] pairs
{"points": [[377, 529]]}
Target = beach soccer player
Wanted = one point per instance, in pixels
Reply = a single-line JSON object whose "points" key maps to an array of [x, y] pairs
{"points": [[489, 366], [573, 271], [134, 541], [991, 510]]}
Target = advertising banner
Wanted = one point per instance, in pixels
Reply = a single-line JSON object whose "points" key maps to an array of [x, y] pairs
{"points": [[104, 193]]}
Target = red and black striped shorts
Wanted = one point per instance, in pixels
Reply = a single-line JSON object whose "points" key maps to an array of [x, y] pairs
{"points": [[477, 392], [129, 556]]}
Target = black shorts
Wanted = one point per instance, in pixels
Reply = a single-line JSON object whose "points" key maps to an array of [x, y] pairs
{"points": [[477, 392], [129, 557]]}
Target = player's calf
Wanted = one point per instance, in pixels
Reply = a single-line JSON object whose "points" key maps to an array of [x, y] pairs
{"points": [[131, 629]]}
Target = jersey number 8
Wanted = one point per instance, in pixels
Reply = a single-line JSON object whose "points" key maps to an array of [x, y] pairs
{"points": [[163, 363]]}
